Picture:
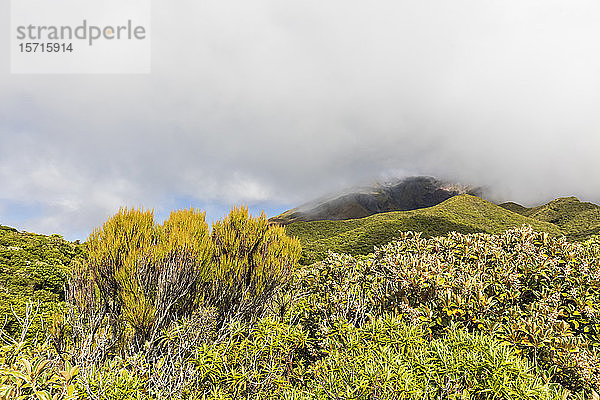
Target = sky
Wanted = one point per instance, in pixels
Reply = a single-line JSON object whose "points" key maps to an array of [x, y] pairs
{"points": [[271, 103]]}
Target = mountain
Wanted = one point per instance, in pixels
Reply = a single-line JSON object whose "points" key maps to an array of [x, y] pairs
{"points": [[461, 213], [401, 195], [577, 219]]}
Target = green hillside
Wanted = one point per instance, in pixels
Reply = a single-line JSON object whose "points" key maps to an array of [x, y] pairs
{"points": [[577, 219], [32, 267], [463, 213]]}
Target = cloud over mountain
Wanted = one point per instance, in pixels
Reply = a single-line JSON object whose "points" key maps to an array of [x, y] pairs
{"points": [[273, 103]]}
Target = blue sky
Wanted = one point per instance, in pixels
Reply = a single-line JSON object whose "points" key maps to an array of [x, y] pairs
{"points": [[271, 103], [23, 215]]}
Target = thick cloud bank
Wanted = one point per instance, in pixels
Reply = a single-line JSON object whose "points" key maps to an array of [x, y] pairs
{"points": [[274, 102]]}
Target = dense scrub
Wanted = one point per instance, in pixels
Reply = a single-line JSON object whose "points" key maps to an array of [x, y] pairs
{"points": [[32, 267], [541, 295], [475, 316], [383, 359]]}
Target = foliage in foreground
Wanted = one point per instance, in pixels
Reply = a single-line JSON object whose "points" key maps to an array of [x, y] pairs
{"points": [[139, 276], [541, 295], [510, 316], [384, 359]]}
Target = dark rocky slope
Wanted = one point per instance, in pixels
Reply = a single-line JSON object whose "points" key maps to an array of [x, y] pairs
{"points": [[402, 195]]}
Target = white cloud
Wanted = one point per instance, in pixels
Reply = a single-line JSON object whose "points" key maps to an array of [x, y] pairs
{"points": [[285, 100]]}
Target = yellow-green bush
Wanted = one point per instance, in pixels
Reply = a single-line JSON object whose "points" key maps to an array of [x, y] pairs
{"points": [[252, 260], [144, 275], [139, 277], [267, 359], [387, 359]]}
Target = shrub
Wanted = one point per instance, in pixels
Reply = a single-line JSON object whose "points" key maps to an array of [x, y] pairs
{"points": [[541, 295], [261, 360], [140, 276], [386, 359], [252, 260], [30, 368], [33, 376], [150, 295], [115, 379], [32, 267]]}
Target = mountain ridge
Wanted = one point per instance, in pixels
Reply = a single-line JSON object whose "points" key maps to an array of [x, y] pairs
{"points": [[400, 195], [578, 219], [462, 213]]}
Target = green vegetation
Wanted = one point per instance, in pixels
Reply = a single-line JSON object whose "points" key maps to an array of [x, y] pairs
{"points": [[384, 359], [387, 359], [577, 219], [140, 276], [252, 259], [178, 311], [463, 213], [539, 294], [32, 267]]}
